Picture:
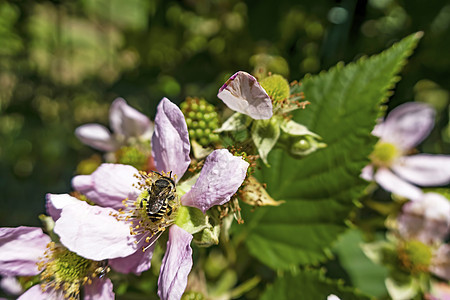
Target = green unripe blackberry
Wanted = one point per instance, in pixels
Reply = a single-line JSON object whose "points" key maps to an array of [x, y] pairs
{"points": [[201, 119]]}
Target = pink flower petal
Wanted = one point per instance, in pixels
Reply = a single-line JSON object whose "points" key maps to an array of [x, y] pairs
{"points": [[99, 289], [221, 176], [109, 185], [96, 136], [56, 202], [129, 122], [392, 183], [426, 219], [11, 285], [440, 264], [36, 293], [424, 169], [367, 173], [21, 248], [407, 125], [242, 93], [93, 232], [176, 264], [137, 263], [170, 141], [439, 291]]}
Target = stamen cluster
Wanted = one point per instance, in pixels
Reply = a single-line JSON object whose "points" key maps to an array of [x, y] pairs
{"points": [[142, 223], [65, 272]]}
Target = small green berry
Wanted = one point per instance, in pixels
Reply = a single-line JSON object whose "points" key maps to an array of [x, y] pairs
{"points": [[192, 114], [199, 132]]}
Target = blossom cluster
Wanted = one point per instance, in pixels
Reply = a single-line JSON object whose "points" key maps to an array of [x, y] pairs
{"points": [[173, 185], [418, 232]]}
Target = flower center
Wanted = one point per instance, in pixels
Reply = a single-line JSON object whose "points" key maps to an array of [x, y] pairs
{"points": [[415, 256], [276, 87], [279, 90], [384, 154], [155, 208], [66, 271], [133, 156]]}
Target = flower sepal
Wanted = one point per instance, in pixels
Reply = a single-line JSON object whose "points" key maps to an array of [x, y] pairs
{"points": [[265, 134], [255, 194], [210, 235], [204, 227], [192, 219], [236, 122]]}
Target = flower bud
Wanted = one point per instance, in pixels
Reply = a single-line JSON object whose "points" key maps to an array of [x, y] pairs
{"points": [[298, 140]]}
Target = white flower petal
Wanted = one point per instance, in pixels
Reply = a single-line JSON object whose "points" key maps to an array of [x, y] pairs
{"points": [[221, 176], [129, 122], [96, 136], [56, 202], [407, 125], [21, 248], [176, 264], [392, 183], [109, 185], [99, 289], [170, 141], [242, 93], [424, 169], [93, 232]]}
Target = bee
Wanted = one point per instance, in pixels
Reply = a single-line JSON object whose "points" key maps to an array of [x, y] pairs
{"points": [[159, 194]]}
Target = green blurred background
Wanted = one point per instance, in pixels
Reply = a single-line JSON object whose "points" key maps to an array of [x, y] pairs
{"points": [[63, 62]]}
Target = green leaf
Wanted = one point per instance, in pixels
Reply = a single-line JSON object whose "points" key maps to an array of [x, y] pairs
{"points": [[365, 274], [308, 284], [320, 189]]}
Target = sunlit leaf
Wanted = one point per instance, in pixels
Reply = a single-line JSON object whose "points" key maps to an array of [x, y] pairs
{"points": [[320, 189], [308, 284]]}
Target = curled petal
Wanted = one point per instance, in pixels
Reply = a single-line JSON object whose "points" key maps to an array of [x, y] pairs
{"points": [[424, 169], [176, 264], [242, 93], [440, 264], [93, 232], [96, 136], [129, 122], [138, 262], [170, 141], [392, 183], [221, 176], [55, 203], [407, 125], [21, 248], [99, 289], [109, 185]]}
